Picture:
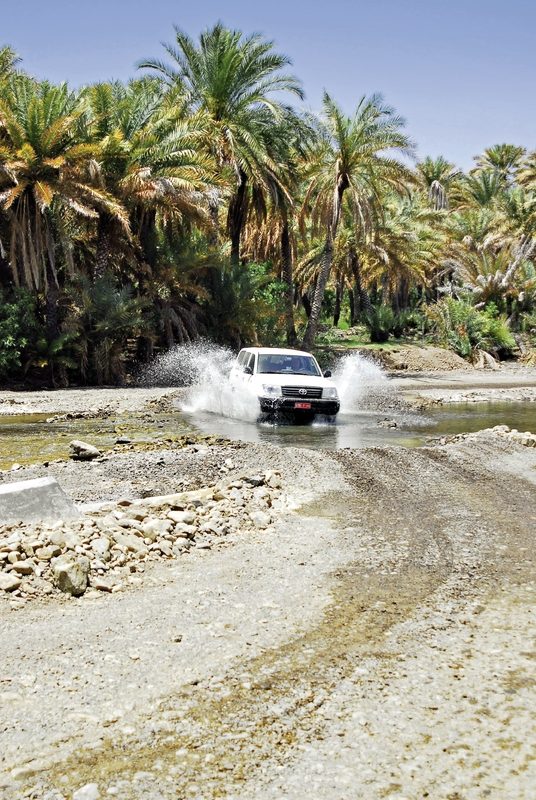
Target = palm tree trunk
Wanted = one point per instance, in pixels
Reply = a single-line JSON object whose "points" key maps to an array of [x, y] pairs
{"points": [[306, 302], [351, 300], [287, 275], [236, 216], [214, 233], [104, 247], [318, 299], [339, 291], [360, 291], [325, 265]]}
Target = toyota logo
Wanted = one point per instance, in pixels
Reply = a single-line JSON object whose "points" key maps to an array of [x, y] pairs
{"points": [[303, 391]]}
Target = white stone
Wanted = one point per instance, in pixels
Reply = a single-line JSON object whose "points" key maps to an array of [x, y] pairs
{"points": [[88, 792], [39, 499]]}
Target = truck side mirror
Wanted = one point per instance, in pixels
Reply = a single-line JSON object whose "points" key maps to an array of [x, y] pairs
{"points": [[248, 370], [327, 373]]}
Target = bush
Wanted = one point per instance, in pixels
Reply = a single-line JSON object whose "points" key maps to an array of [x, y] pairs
{"points": [[18, 328], [380, 323], [461, 327]]}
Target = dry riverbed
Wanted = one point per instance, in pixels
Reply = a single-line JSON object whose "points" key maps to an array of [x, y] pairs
{"points": [[284, 624]]}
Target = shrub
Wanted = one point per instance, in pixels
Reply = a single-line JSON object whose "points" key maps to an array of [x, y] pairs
{"points": [[380, 323], [461, 327], [18, 327]]}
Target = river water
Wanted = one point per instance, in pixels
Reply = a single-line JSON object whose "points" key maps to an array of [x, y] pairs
{"points": [[27, 439]]}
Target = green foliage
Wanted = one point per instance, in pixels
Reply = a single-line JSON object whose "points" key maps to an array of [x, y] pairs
{"points": [[380, 322], [245, 306], [18, 328], [105, 315], [461, 327]]}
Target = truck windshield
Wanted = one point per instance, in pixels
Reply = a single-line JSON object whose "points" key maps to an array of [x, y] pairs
{"points": [[275, 364]]}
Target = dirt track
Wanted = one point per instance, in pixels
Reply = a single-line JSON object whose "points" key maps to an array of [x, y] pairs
{"points": [[377, 643]]}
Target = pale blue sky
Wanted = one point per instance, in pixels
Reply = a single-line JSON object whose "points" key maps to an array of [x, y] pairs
{"points": [[462, 72]]}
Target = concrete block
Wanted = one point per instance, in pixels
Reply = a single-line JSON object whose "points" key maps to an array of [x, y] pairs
{"points": [[39, 499]]}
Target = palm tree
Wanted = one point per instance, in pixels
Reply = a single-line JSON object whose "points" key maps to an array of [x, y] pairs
{"points": [[236, 81], [42, 163], [150, 158], [353, 163], [8, 63], [504, 159], [437, 176], [526, 175]]}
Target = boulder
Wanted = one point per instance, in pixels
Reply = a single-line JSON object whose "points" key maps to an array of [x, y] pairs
{"points": [[70, 574], [101, 547], [39, 499], [82, 451], [130, 542]]}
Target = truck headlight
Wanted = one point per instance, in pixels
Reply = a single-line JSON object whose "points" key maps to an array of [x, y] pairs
{"points": [[271, 391], [330, 393]]}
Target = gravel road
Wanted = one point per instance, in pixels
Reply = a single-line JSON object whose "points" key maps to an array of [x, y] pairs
{"points": [[377, 642]]}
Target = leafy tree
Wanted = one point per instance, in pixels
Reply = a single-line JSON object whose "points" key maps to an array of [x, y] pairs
{"points": [[236, 81], [354, 163], [42, 162]]}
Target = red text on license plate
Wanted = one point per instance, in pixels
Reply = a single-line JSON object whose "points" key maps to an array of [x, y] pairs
{"points": [[305, 406]]}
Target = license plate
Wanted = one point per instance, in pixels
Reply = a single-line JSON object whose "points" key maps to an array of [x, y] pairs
{"points": [[303, 406]]}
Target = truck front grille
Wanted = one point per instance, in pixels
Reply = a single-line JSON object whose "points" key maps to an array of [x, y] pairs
{"points": [[302, 392]]}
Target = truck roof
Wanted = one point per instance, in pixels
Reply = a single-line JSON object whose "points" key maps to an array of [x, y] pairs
{"points": [[281, 351]]}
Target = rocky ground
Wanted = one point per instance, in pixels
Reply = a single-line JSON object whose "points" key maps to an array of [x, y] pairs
{"points": [[277, 623]]}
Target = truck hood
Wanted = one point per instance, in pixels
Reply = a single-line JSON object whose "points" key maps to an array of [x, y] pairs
{"points": [[292, 380]]}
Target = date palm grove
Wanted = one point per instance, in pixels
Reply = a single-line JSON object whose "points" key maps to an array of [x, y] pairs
{"points": [[201, 199]]}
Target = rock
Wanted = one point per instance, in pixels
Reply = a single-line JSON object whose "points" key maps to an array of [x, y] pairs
{"points": [[82, 451], [70, 574], [260, 519], [255, 480], [101, 547], [181, 546], [123, 440], [272, 479], [9, 582], [187, 517], [88, 792], [162, 547], [39, 499], [24, 567], [185, 530], [387, 423], [102, 584], [48, 553], [155, 528], [129, 541]]}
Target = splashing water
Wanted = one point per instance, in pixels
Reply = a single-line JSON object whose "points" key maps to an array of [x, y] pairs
{"points": [[204, 368], [358, 380]]}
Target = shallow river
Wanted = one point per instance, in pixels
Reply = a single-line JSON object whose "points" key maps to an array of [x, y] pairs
{"points": [[27, 439]]}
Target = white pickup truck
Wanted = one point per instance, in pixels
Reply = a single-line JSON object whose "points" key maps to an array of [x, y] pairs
{"points": [[286, 382]]}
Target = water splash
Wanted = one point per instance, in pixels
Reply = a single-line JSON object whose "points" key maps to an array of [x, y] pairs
{"points": [[203, 367], [360, 383]]}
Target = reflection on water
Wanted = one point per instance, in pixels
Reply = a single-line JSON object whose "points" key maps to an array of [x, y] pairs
{"points": [[27, 439], [363, 429], [30, 439], [355, 430]]}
